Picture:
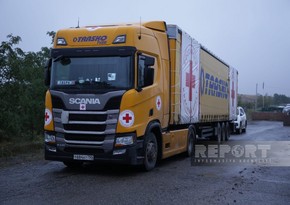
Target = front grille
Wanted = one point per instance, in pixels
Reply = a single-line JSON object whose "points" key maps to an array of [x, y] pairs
{"points": [[91, 129], [85, 127], [87, 117], [79, 137]]}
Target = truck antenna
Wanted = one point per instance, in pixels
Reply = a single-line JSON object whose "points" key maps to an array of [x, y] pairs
{"points": [[139, 37], [78, 22]]}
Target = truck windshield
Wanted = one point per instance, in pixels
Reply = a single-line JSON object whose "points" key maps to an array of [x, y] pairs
{"points": [[92, 73]]}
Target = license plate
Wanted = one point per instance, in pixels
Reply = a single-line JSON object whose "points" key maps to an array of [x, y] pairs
{"points": [[83, 157]]}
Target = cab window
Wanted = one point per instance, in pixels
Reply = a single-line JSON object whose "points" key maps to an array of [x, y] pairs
{"points": [[145, 71]]}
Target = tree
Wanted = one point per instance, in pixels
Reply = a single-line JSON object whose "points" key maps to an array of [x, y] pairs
{"points": [[21, 90], [280, 99], [52, 35]]}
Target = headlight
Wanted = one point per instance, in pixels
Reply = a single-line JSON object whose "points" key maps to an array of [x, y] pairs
{"points": [[61, 41], [122, 141], [48, 138], [120, 39]]}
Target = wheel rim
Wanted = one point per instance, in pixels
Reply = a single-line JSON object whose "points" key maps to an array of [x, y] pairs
{"points": [[219, 134], [223, 133], [151, 155], [227, 132]]}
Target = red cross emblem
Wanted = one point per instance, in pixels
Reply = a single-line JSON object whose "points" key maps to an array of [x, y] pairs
{"points": [[126, 118], [83, 107], [158, 103], [233, 93], [47, 117], [190, 81]]}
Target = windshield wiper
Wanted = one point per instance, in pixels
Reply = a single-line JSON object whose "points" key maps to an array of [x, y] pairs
{"points": [[102, 84]]}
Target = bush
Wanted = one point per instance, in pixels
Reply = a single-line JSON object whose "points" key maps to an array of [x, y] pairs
{"points": [[22, 91]]}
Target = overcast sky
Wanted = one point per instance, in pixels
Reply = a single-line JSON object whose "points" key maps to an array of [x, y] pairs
{"points": [[251, 35]]}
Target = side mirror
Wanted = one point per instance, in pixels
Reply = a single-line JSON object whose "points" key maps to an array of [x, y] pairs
{"points": [[47, 72]]}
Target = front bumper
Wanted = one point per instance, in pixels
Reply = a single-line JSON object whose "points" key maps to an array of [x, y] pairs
{"points": [[106, 152]]}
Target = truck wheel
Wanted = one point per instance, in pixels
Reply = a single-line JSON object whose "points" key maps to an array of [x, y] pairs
{"points": [[73, 165], [223, 132], [151, 152], [219, 133], [227, 135], [191, 141]]}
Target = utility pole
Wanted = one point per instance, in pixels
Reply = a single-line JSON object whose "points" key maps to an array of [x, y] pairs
{"points": [[263, 96], [256, 97]]}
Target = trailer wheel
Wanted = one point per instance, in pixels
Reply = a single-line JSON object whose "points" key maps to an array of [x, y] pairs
{"points": [[191, 141], [223, 132], [227, 136], [219, 133], [151, 151]]}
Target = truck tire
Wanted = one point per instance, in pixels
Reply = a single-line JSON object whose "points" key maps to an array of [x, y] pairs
{"points": [[191, 141], [219, 133], [228, 132], [223, 132], [150, 151]]}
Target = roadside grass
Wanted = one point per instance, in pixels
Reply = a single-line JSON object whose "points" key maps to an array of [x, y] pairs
{"points": [[18, 151]]}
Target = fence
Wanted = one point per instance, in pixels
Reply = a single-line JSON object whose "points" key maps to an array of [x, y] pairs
{"points": [[272, 116]]}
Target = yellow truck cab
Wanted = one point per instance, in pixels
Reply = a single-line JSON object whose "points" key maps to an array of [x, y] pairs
{"points": [[116, 93]]}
